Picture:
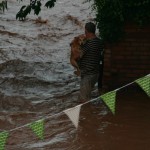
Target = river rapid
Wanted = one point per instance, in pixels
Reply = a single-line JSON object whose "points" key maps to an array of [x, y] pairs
{"points": [[37, 80]]}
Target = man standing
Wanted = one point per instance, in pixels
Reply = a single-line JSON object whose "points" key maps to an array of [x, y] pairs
{"points": [[90, 62]]}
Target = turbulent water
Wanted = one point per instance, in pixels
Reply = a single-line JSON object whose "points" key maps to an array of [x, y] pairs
{"points": [[37, 80]]}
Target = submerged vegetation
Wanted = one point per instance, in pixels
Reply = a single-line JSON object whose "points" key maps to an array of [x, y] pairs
{"points": [[34, 5]]}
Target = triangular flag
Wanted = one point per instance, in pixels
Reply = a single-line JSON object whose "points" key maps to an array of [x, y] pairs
{"points": [[3, 137], [144, 83], [73, 114], [38, 128], [110, 100]]}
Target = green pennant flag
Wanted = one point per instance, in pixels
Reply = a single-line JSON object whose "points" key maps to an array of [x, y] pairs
{"points": [[144, 83], [110, 100], [38, 128], [3, 137]]}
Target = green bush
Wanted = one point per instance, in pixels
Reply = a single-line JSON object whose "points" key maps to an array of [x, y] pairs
{"points": [[112, 15]]}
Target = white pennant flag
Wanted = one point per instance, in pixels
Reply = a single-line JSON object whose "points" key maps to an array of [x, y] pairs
{"points": [[73, 114]]}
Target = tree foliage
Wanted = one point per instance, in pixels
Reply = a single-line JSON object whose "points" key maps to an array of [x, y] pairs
{"points": [[113, 15], [3, 5], [50, 3], [35, 5]]}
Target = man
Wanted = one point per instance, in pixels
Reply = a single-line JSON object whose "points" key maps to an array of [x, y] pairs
{"points": [[89, 62]]}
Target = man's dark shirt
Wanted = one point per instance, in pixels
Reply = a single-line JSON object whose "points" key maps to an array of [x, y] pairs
{"points": [[91, 57]]}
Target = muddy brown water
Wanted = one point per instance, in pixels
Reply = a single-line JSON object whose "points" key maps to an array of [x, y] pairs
{"points": [[37, 80]]}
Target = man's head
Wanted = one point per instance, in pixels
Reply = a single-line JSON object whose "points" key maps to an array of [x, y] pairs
{"points": [[90, 27]]}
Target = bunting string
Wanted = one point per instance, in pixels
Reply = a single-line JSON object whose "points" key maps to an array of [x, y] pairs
{"points": [[73, 113], [43, 118], [130, 83], [50, 116]]}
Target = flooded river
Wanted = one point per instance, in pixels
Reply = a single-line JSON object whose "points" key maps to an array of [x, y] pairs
{"points": [[36, 80]]}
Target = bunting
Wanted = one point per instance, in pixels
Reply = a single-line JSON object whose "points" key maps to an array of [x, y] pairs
{"points": [[110, 100], [144, 83], [3, 137], [73, 114], [38, 128]]}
